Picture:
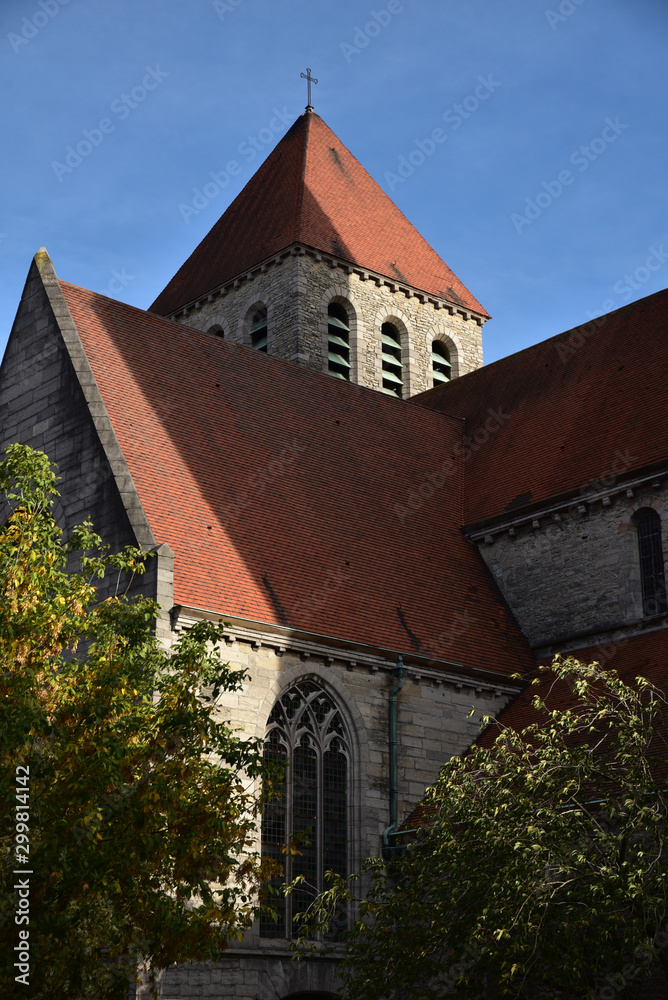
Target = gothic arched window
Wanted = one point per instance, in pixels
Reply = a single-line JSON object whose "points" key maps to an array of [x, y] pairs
{"points": [[338, 341], [392, 361], [258, 330], [650, 552], [441, 367], [306, 732]]}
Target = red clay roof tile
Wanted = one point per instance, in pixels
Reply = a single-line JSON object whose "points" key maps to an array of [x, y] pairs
{"points": [[644, 655], [570, 411], [277, 507], [311, 190]]}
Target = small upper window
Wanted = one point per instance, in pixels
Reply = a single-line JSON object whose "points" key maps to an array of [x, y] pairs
{"points": [[392, 363], [259, 330], [650, 551], [338, 342], [217, 330], [440, 363]]}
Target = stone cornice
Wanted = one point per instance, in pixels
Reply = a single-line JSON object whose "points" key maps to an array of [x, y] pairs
{"points": [[612, 638], [355, 656], [573, 505], [299, 250]]}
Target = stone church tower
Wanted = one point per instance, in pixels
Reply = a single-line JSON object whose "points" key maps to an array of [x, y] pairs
{"points": [[373, 558], [313, 263]]}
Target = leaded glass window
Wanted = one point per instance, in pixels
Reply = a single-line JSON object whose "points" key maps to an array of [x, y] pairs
{"points": [[306, 732], [650, 551]]}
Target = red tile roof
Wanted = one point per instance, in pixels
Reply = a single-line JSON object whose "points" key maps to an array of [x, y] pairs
{"points": [[311, 190], [588, 404], [278, 509], [644, 655]]}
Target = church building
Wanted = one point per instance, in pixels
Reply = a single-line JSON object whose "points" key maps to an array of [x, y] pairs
{"points": [[302, 430]]}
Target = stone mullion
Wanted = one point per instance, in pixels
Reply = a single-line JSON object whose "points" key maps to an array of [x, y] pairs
{"points": [[289, 827]]}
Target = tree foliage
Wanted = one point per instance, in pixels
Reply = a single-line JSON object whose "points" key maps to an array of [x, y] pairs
{"points": [[138, 808], [540, 870]]}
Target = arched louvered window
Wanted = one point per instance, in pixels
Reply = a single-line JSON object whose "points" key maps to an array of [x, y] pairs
{"points": [[440, 363], [650, 552], [305, 729], [259, 330], [217, 330], [338, 341], [392, 365]]}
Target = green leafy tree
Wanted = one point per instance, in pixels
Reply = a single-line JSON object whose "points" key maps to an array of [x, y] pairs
{"points": [[540, 870], [131, 809]]}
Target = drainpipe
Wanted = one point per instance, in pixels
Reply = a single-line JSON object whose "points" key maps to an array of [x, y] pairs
{"points": [[399, 672]]}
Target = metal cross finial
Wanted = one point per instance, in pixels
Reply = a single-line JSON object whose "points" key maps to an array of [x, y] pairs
{"points": [[311, 79]]}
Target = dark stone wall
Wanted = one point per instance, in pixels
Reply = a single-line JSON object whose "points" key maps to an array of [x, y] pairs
{"points": [[580, 574], [43, 404]]}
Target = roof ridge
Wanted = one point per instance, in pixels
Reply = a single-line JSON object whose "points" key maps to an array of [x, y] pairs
{"points": [[307, 125], [253, 468], [442, 390], [312, 190]]}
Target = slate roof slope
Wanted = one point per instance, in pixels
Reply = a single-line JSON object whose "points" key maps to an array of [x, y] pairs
{"points": [[276, 488], [311, 190], [580, 406]]}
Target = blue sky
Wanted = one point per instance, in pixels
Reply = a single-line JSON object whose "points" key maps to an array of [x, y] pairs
{"points": [[546, 193]]}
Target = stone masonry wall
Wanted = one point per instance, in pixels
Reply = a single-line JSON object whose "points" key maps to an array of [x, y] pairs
{"points": [[432, 722], [578, 574], [247, 976], [296, 289], [432, 726], [42, 404]]}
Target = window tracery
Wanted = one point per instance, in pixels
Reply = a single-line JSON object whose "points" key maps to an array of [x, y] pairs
{"points": [[306, 733]]}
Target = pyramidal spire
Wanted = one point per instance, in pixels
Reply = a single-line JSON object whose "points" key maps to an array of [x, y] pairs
{"points": [[312, 191]]}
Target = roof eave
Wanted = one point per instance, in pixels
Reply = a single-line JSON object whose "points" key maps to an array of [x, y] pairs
{"points": [[296, 249]]}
